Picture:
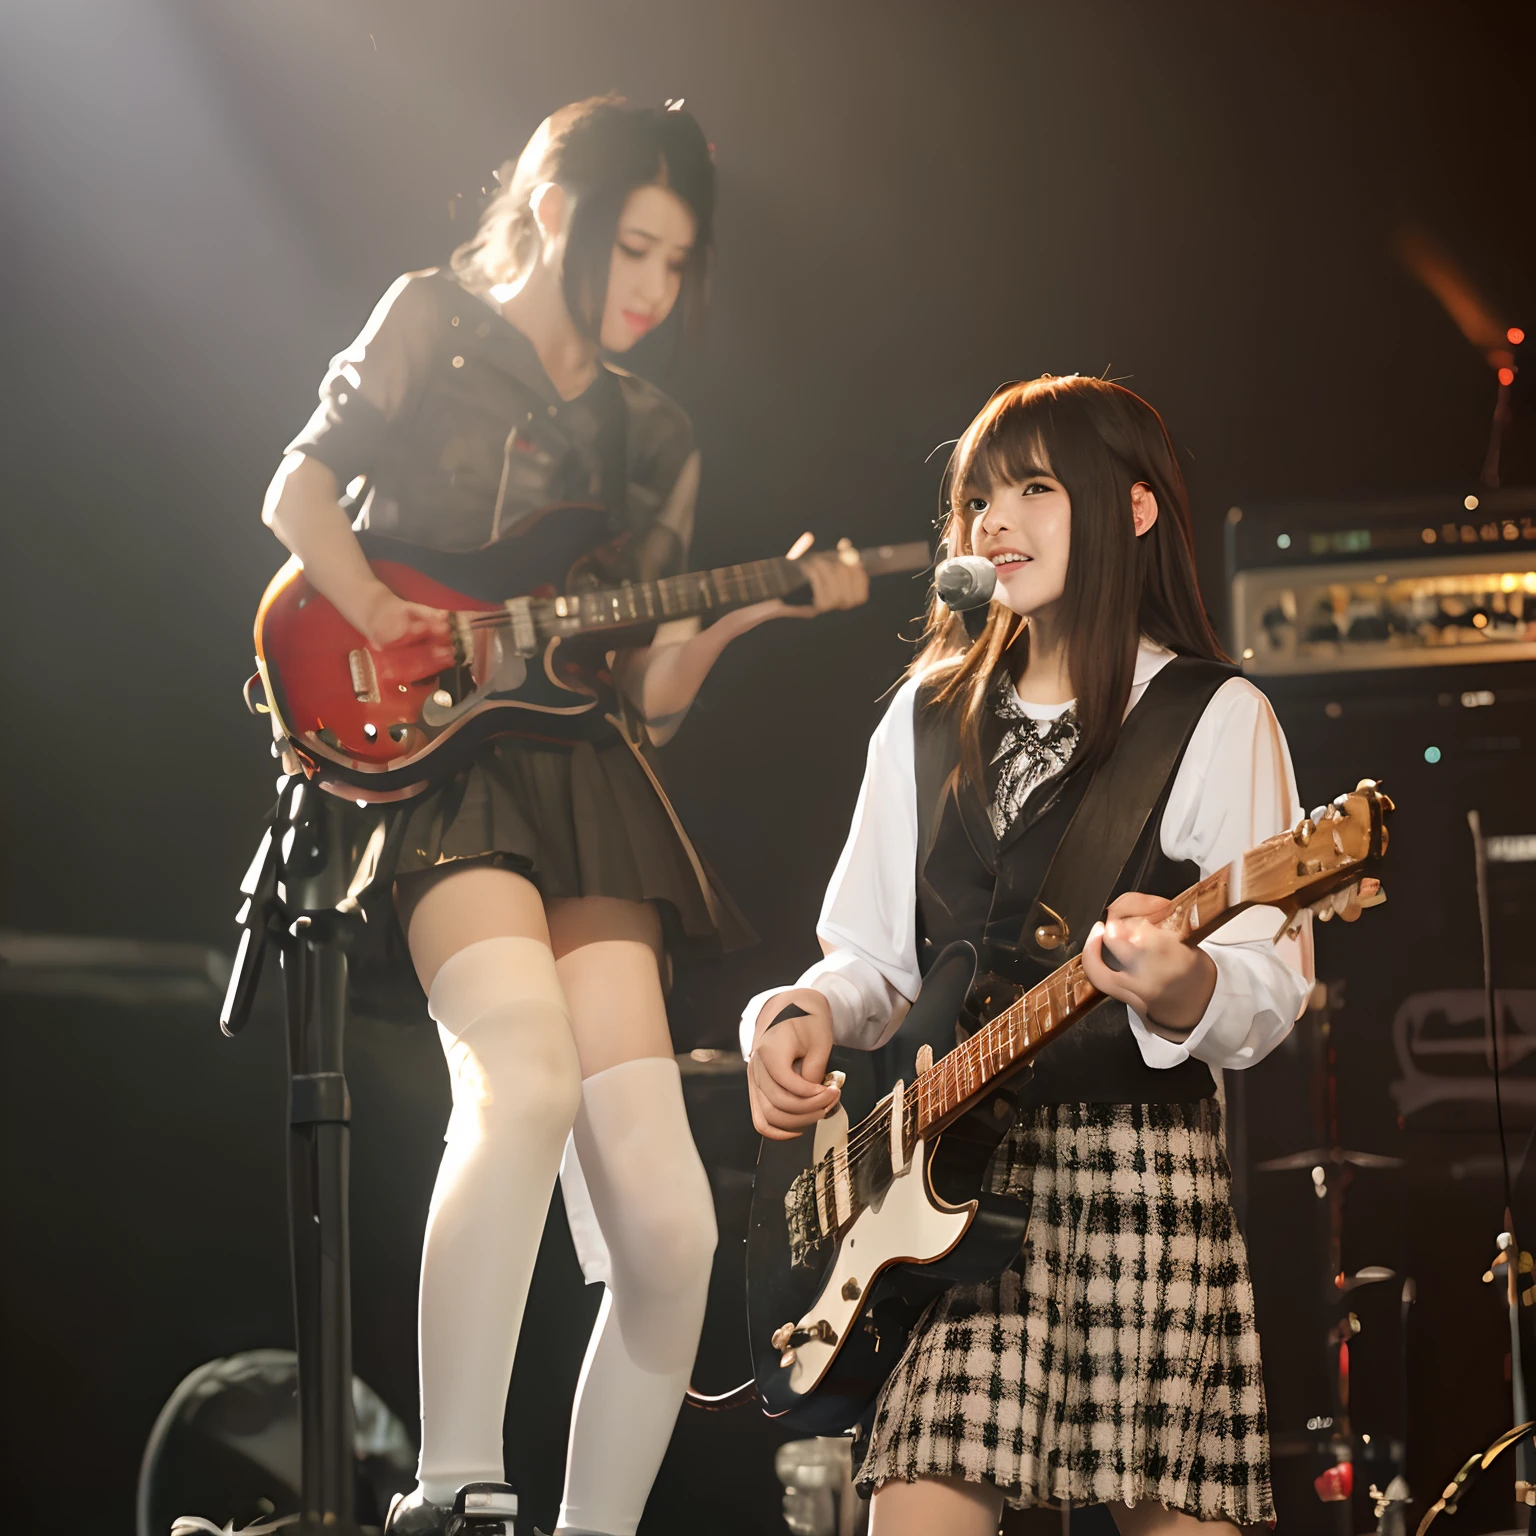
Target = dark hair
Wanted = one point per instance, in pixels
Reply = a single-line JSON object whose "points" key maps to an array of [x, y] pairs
{"points": [[599, 150], [1099, 440]]}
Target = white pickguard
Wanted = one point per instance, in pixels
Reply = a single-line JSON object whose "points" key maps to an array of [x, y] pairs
{"points": [[908, 1224]]}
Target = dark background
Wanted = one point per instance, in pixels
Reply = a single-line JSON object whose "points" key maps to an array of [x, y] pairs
{"points": [[201, 203]]}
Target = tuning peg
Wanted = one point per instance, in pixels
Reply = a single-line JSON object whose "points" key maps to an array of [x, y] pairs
{"points": [[1317, 813], [1373, 787], [1304, 830]]}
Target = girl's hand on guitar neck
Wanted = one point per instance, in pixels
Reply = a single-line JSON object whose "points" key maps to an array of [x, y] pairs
{"points": [[836, 581], [1169, 983], [789, 1063], [663, 680]]}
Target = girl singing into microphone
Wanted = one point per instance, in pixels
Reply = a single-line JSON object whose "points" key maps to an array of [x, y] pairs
{"points": [[1116, 1360]]}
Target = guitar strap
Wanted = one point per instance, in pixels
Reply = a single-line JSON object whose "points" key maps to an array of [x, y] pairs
{"points": [[1113, 812], [1111, 816]]}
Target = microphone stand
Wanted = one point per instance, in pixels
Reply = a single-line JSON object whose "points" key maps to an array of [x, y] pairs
{"points": [[298, 905]]}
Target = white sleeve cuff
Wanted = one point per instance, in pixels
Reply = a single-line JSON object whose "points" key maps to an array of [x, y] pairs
{"points": [[1259, 995], [866, 1008]]}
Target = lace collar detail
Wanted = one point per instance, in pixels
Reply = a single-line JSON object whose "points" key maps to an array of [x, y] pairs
{"points": [[1030, 752]]}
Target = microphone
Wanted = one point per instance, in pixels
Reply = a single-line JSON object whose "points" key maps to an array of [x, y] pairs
{"points": [[965, 586]]}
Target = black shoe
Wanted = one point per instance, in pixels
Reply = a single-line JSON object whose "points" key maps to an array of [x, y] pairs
{"points": [[479, 1509]]}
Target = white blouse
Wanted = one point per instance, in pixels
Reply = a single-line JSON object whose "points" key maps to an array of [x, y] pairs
{"points": [[1234, 787]]}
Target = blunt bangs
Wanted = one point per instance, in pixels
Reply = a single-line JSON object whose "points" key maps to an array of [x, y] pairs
{"points": [[1005, 445]]}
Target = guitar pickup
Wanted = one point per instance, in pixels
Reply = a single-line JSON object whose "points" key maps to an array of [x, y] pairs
{"points": [[365, 679]]}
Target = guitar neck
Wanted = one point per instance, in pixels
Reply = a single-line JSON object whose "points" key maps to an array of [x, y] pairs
{"points": [[670, 597], [696, 593], [1027, 1026], [1307, 867]]}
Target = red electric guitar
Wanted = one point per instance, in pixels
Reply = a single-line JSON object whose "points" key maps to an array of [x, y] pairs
{"points": [[362, 727]]}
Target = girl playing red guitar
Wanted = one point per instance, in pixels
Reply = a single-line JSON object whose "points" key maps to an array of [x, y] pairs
{"points": [[538, 889]]}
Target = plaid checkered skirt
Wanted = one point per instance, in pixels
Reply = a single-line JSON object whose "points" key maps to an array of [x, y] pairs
{"points": [[1118, 1360]]}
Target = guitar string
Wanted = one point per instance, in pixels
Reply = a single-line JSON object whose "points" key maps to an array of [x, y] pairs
{"points": [[742, 583], [998, 1037], [733, 583], [974, 1051], [876, 1125]]}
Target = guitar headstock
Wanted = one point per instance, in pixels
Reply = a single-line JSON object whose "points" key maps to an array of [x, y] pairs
{"points": [[1320, 863]]}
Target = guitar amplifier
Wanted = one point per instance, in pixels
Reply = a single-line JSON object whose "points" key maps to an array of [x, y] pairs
{"points": [[1396, 639], [1354, 586]]}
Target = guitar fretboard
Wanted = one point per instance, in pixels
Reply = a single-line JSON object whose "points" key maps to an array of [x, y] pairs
{"points": [[1027, 1024], [534, 622], [1318, 858], [669, 597]]}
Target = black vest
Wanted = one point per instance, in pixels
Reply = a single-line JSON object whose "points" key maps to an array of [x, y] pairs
{"points": [[972, 885]]}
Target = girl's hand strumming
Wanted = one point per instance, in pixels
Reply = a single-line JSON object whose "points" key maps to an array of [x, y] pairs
{"points": [[789, 1063], [415, 640]]}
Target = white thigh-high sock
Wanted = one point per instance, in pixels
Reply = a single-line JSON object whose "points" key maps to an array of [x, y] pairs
{"points": [[516, 1081], [653, 1204]]}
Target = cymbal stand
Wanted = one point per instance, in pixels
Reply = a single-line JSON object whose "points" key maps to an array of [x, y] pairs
{"points": [[1332, 1168], [1509, 1257], [296, 905]]}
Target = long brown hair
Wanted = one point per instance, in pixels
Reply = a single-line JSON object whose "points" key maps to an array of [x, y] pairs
{"points": [[599, 150], [1099, 440]]}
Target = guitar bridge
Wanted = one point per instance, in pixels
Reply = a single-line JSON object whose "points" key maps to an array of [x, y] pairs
{"points": [[525, 640], [802, 1217]]}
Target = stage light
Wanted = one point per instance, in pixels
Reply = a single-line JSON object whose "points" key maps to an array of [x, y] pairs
{"points": [[1514, 335], [1283, 540], [1470, 503], [1506, 376], [1431, 754]]}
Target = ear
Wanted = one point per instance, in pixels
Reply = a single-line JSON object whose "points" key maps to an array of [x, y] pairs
{"points": [[548, 207], [1143, 507]]}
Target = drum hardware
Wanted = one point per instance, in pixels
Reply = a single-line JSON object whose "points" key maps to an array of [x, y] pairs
{"points": [[819, 1496], [1333, 1168], [1510, 1257]]}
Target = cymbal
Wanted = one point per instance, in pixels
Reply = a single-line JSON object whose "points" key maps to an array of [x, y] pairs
{"points": [[1370, 1275], [1335, 1157]]}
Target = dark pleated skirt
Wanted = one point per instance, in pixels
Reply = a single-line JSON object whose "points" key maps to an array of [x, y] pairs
{"points": [[584, 819]]}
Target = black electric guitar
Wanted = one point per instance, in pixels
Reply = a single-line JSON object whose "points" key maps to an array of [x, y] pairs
{"points": [[855, 1229], [366, 723]]}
